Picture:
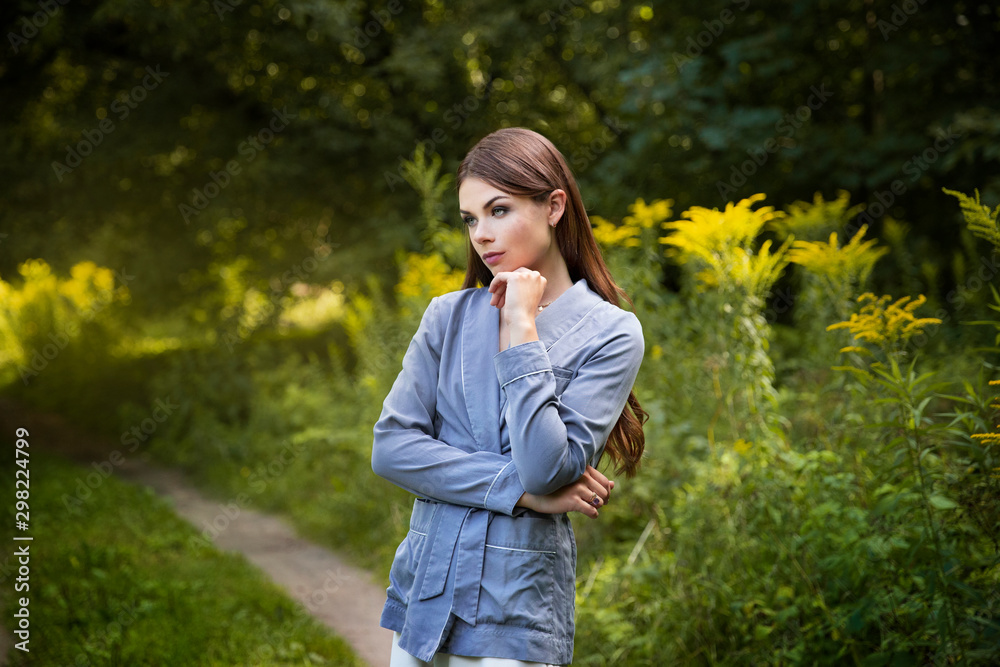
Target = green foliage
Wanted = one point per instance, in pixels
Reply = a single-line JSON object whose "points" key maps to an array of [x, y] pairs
{"points": [[59, 338], [44, 315], [815, 220], [720, 100], [779, 519], [118, 579], [427, 180], [828, 275], [841, 271], [980, 220], [290, 433], [858, 542]]}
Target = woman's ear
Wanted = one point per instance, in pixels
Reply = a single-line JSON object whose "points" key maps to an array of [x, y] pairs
{"points": [[557, 206]]}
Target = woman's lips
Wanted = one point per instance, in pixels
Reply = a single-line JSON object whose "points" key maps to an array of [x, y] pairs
{"points": [[492, 257]]}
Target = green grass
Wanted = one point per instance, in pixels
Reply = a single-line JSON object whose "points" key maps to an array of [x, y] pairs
{"points": [[118, 581]]}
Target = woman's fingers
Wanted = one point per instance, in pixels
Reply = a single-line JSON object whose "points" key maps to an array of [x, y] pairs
{"points": [[585, 496], [587, 508], [599, 477], [523, 285], [596, 483], [498, 288], [590, 497]]}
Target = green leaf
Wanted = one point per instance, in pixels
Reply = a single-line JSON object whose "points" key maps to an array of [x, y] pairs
{"points": [[942, 503]]}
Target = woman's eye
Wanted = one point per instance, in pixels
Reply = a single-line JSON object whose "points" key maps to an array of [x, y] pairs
{"points": [[499, 211], [469, 220]]}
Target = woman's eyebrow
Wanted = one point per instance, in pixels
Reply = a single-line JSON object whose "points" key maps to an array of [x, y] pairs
{"points": [[487, 205]]}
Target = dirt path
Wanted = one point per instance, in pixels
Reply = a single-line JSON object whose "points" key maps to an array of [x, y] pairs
{"points": [[343, 597]]}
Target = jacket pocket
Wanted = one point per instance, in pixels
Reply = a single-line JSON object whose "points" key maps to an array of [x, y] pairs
{"points": [[404, 566], [563, 376], [520, 569]]}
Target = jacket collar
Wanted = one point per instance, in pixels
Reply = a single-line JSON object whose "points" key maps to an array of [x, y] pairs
{"points": [[481, 338], [565, 312]]}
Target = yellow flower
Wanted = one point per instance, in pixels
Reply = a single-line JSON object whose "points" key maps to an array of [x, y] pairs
{"points": [[718, 243], [611, 235], [646, 216], [990, 439], [812, 220], [44, 303], [741, 446], [885, 324], [708, 231], [850, 264], [427, 276], [628, 234]]}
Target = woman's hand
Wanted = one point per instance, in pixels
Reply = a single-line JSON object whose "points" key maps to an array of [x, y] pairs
{"points": [[518, 294], [575, 497]]}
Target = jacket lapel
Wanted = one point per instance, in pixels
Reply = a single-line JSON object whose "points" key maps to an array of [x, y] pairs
{"points": [[565, 312], [480, 340]]}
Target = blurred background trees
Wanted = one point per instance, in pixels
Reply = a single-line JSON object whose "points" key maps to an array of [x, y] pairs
{"points": [[245, 207], [701, 102]]}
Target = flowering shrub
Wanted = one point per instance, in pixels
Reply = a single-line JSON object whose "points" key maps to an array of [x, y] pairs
{"points": [[44, 314], [790, 516]]}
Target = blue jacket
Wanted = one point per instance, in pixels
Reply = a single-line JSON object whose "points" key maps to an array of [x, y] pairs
{"points": [[475, 575]]}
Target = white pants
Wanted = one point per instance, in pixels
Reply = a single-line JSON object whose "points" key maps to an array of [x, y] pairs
{"points": [[401, 658]]}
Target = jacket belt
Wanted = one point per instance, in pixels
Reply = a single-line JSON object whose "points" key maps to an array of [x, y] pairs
{"points": [[447, 580]]}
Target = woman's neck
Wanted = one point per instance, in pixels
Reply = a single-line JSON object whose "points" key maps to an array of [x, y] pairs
{"points": [[557, 279]]}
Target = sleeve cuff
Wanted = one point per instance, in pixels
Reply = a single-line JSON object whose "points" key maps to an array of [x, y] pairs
{"points": [[505, 491], [520, 360]]}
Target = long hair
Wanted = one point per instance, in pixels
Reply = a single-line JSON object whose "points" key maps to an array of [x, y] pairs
{"points": [[521, 162]]}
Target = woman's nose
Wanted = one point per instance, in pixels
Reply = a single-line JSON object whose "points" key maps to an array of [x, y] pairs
{"points": [[481, 232]]}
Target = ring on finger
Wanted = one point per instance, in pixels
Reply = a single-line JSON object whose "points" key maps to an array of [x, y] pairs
{"points": [[596, 500]]}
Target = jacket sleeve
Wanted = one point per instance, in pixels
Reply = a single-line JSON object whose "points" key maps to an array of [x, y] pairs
{"points": [[554, 438], [405, 452]]}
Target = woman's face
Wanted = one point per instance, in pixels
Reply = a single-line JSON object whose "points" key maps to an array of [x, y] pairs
{"points": [[510, 231]]}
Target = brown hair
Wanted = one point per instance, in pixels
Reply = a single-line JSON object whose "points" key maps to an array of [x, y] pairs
{"points": [[521, 162]]}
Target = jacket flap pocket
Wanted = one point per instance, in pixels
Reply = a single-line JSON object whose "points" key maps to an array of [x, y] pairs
{"points": [[523, 532]]}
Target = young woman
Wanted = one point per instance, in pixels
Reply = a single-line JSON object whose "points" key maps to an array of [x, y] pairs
{"points": [[511, 390]]}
